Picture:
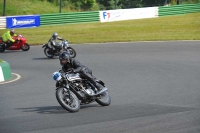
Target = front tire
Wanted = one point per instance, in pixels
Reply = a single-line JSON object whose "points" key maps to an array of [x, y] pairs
{"points": [[72, 52], [71, 104], [48, 52], [104, 99], [25, 47]]}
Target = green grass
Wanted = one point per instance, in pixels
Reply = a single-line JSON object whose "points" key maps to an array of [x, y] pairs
{"points": [[183, 27], [28, 7]]}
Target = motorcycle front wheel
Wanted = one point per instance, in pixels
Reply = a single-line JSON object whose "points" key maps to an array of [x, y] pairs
{"points": [[48, 52], [25, 47], [104, 99], [70, 102], [72, 52]]}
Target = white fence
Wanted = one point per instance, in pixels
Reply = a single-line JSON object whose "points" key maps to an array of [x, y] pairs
{"points": [[2, 22]]}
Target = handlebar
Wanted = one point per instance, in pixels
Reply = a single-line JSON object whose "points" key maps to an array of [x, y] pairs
{"points": [[70, 70]]}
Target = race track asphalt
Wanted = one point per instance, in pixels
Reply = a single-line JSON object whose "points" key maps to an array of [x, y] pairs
{"points": [[154, 88]]}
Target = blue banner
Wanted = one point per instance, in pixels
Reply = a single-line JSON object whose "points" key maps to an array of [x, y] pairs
{"points": [[22, 21]]}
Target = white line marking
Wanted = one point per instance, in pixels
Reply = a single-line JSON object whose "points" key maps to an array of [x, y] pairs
{"points": [[18, 77]]}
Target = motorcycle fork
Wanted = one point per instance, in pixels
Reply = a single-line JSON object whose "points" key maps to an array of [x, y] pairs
{"points": [[66, 89]]}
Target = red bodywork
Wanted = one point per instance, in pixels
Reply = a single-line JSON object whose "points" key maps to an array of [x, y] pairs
{"points": [[17, 44]]}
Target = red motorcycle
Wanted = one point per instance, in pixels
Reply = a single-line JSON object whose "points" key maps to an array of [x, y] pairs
{"points": [[20, 43]]}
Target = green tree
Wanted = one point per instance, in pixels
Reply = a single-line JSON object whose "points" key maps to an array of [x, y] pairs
{"points": [[124, 4], [150, 3], [87, 4], [106, 4], [139, 3]]}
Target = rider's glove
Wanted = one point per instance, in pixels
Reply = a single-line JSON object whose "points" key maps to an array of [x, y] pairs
{"points": [[74, 70], [70, 70], [17, 40]]}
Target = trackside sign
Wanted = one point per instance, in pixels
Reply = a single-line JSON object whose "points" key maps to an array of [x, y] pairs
{"points": [[127, 14], [22, 21]]}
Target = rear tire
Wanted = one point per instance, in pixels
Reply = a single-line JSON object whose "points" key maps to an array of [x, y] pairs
{"points": [[25, 47], [72, 52], [48, 53], [2, 47], [70, 104]]}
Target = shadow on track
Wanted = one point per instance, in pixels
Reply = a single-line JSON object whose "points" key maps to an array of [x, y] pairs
{"points": [[45, 110], [11, 51], [44, 58], [52, 109]]}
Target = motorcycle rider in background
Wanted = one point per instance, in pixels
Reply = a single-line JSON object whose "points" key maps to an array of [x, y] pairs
{"points": [[7, 37], [52, 40], [68, 63]]}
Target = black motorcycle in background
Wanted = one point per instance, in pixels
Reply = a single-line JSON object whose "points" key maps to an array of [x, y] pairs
{"points": [[73, 91], [59, 47]]}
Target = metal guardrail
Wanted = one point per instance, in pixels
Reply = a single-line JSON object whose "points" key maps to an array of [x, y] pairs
{"points": [[179, 9], [66, 18], [2, 22]]}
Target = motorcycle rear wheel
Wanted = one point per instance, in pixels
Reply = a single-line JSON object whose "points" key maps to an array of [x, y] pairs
{"points": [[104, 99], [47, 52], [72, 52], [71, 104], [26, 47], [2, 47]]}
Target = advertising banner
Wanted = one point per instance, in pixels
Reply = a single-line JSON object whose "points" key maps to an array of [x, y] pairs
{"points": [[22, 21], [127, 14]]}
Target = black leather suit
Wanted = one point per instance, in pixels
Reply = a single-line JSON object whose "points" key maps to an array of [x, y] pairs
{"points": [[84, 71]]}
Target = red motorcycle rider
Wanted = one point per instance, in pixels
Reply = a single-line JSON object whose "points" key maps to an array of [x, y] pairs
{"points": [[7, 37], [11, 41]]}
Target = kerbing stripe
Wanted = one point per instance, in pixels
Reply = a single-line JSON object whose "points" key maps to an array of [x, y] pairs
{"points": [[1, 75]]}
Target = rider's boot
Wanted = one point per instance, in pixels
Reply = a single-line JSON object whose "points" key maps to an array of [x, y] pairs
{"points": [[100, 88], [8, 44]]}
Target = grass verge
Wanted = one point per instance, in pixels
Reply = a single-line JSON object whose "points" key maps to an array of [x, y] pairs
{"points": [[183, 27]]}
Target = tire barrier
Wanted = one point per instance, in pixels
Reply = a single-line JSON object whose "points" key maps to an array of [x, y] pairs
{"points": [[5, 72]]}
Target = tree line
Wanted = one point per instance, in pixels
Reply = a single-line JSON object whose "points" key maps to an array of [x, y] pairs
{"points": [[115, 4]]}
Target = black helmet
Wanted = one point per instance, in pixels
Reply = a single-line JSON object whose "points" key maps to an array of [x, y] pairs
{"points": [[64, 58], [55, 35]]}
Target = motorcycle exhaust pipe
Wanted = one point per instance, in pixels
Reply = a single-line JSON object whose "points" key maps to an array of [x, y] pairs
{"points": [[103, 90]]}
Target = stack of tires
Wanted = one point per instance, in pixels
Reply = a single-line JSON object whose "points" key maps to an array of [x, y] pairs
{"points": [[5, 71]]}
